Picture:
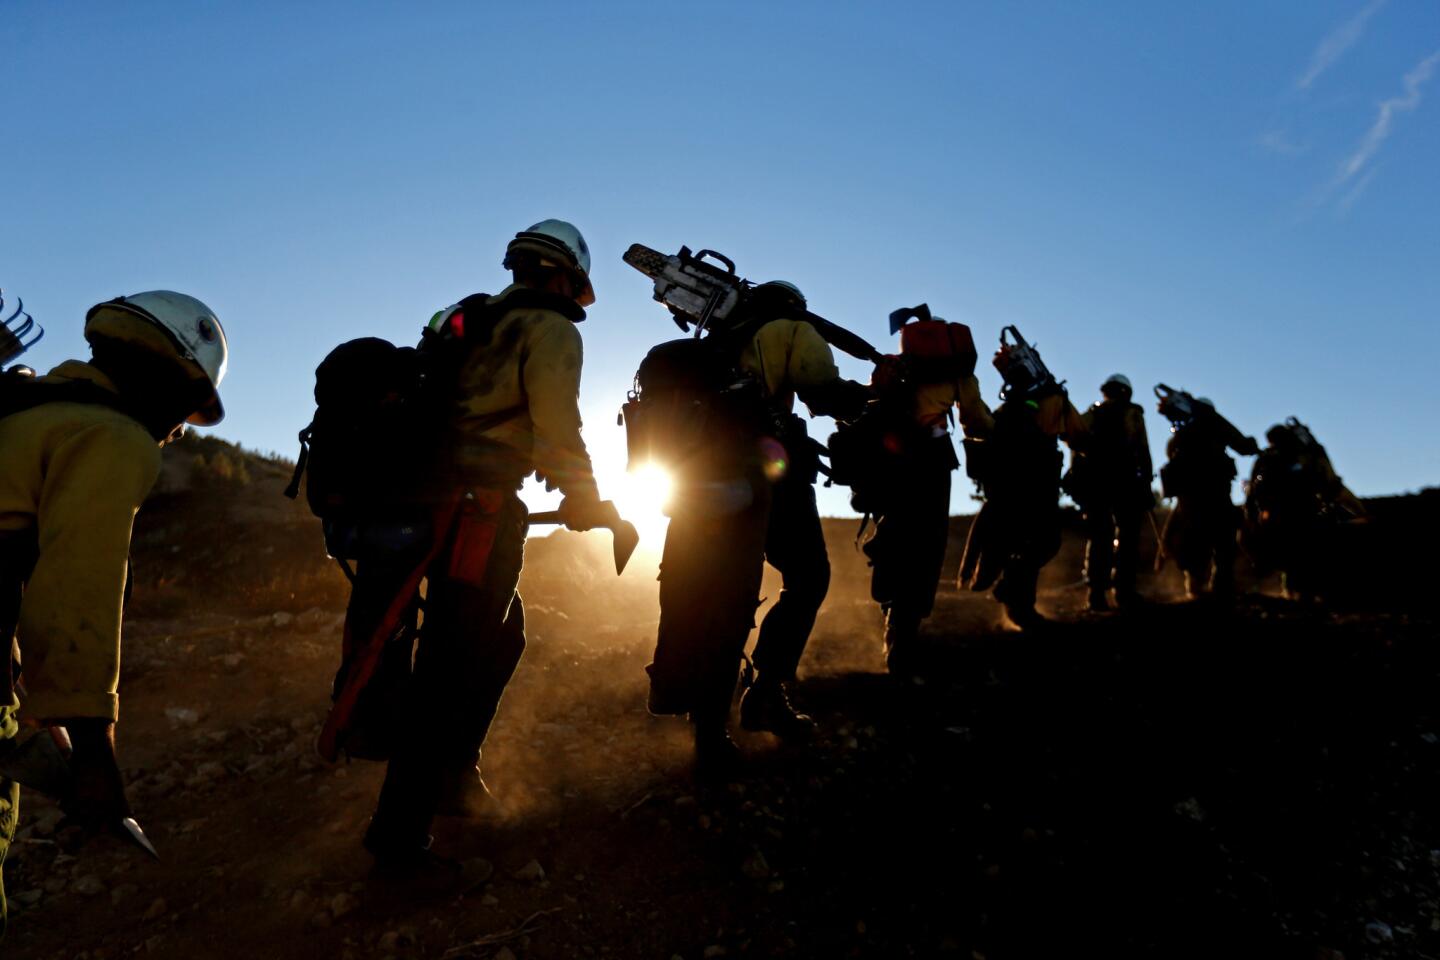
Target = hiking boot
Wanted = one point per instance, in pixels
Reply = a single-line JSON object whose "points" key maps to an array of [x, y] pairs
{"points": [[716, 755], [419, 874], [1129, 599], [765, 707], [467, 796], [1196, 586], [901, 636], [1027, 618]]}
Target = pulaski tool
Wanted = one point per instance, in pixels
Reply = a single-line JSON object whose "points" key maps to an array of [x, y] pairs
{"points": [[42, 763], [18, 332], [627, 538]]}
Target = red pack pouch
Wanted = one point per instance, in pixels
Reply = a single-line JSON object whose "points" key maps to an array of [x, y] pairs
{"points": [[474, 537], [937, 351]]}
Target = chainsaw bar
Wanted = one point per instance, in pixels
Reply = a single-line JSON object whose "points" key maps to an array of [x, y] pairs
{"points": [[650, 262]]}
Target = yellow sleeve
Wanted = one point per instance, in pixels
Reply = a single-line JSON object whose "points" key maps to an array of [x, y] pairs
{"points": [[551, 380], [811, 361], [70, 617], [975, 416]]}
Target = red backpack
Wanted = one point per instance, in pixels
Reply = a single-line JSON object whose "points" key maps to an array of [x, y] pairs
{"points": [[932, 350]]}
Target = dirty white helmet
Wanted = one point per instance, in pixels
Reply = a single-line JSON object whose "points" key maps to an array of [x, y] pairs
{"points": [[1206, 401], [556, 240], [1119, 379], [191, 328]]}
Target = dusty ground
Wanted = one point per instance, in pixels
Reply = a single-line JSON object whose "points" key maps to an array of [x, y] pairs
{"points": [[1180, 782]]}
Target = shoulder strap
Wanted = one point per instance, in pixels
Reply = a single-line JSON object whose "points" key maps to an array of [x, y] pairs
{"points": [[19, 393]]}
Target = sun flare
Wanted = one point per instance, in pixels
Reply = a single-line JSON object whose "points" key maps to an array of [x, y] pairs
{"points": [[642, 495]]}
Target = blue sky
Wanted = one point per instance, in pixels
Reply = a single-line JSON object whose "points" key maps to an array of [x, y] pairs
{"points": [[1236, 198]]}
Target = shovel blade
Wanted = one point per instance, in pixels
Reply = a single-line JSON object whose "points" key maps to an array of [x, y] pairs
{"points": [[131, 831], [627, 538]]}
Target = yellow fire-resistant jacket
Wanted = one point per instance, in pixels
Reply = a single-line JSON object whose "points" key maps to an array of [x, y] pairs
{"points": [[934, 400], [789, 355], [532, 362], [75, 474], [1058, 417]]}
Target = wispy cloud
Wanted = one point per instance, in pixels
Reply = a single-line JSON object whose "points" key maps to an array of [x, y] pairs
{"points": [[1353, 194], [1336, 42], [1388, 110], [1278, 141]]}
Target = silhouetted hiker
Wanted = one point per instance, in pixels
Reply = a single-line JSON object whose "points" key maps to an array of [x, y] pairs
{"points": [[489, 397], [898, 457], [79, 452], [717, 412], [1110, 480], [1294, 503], [1202, 530], [1017, 466], [526, 368]]}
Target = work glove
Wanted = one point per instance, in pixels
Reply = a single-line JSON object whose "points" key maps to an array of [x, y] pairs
{"points": [[587, 513]]}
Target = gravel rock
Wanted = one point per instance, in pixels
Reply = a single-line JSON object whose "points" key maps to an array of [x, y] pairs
{"points": [[88, 886], [182, 716], [1191, 808], [531, 872], [281, 619], [342, 904], [755, 866], [27, 898], [156, 910], [123, 892], [46, 823], [1377, 932]]}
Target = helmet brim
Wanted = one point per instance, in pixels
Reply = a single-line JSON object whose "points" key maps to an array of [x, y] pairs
{"points": [[208, 415]]}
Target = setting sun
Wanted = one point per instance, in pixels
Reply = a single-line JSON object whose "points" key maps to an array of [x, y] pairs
{"points": [[642, 495]]}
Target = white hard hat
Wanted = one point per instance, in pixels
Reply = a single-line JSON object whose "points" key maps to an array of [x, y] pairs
{"points": [[786, 286], [193, 330], [1118, 378], [1206, 401], [551, 237]]}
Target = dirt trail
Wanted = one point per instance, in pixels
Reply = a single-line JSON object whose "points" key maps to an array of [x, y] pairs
{"points": [[1178, 782]]}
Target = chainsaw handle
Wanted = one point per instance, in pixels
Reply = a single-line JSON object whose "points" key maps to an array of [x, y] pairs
{"points": [[729, 264]]}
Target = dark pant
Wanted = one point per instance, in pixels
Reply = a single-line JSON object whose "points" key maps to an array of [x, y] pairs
{"points": [[908, 548], [1201, 533], [1112, 553], [1028, 531], [469, 645], [794, 545], [709, 587]]}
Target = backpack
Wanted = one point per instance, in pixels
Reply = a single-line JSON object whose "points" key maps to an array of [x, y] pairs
{"points": [[374, 454], [694, 412], [874, 453], [937, 351]]}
